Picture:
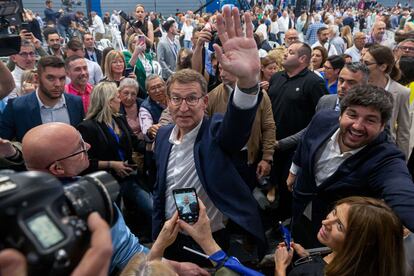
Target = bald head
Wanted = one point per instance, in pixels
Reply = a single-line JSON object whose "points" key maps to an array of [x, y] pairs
{"points": [[291, 36], [44, 144]]}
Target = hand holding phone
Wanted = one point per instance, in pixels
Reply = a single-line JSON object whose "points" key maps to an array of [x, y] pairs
{"points": [[287, 238], [186, 201], [128, 71]]}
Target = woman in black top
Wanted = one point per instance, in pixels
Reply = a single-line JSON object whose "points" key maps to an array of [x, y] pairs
{"points": [[112, 144], [365, 236]]}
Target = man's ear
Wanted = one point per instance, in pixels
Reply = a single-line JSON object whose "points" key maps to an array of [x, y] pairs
{"points": [[13, 58], [56, 169]]}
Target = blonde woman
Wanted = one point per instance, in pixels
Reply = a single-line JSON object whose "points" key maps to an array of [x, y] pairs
{"points": [[112, 143], [346, 35], [115, 67]]}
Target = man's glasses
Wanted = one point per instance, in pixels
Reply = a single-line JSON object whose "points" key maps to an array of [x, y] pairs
{"points": [[406, 48], [156, 87], [367, 63], [83, 150], [190, 100], [26, 55]]}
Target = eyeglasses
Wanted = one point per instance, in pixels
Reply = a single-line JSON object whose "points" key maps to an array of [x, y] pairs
{"points": [[327, 67], [190, 100], [26, 55], [83, 150], [156, 87], [367, 63], [406, 48]]}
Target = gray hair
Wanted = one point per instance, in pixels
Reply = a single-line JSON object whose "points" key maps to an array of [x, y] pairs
{"points": [[128, 82], [355, 67], [152, 77]]}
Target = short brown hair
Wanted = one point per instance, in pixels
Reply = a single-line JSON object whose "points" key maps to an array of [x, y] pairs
{"points": [[70, 59], [74, 44], [187, 76], [49, 61]]}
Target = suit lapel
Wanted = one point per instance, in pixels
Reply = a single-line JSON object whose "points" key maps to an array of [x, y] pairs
{"points": [[326, 132], [34, 119]]}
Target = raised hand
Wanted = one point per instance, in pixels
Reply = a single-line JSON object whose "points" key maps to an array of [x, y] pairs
{"points": [[238, 54]]}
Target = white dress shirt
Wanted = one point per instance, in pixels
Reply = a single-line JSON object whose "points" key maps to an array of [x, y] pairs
{"points": [[181, 169], [354, 53]]}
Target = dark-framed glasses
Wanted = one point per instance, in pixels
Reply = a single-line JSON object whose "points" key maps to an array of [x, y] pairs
{"points": [[84, 149], [190, 100], [26, 55]]}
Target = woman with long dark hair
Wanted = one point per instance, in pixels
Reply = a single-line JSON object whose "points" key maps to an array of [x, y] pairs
{"points": [[365, 236]]}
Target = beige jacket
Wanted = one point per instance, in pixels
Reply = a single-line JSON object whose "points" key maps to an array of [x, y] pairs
{"points": [[263, 135], [400, 119]]}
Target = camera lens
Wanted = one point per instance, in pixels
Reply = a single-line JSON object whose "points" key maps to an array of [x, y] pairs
{"points": [[93, 192]]}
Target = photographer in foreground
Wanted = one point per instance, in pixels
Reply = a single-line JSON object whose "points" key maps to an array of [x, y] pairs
{"points": [[59, 149], [95, 261]]}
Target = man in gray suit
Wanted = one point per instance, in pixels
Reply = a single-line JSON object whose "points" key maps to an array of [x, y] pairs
{"points": [[167, 49], [352, 74]]}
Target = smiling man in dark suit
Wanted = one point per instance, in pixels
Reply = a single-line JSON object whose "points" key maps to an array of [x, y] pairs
{"points": [[351, 156], [47, 104]]}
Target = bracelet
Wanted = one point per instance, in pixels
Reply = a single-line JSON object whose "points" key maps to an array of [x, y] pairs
{"points": [[251, 90], [109, 164]]}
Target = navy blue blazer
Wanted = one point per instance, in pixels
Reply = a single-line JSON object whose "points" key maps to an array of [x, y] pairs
{"points": [[378, 170], [217, 139], [23, 113]]}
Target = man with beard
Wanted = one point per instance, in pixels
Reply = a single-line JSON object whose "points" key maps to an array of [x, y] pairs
{"points": [[350, 157], [77, 71], [378, 33], [53, 42], [47, 104]]}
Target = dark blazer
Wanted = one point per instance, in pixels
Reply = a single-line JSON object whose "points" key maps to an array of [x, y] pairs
{"points": [[378, 171], [23, 113], [98, 56], [327, 102], [104, 147], [217, 139]]}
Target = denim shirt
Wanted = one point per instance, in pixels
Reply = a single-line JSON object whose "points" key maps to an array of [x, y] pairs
{"points": [[124, 244]]}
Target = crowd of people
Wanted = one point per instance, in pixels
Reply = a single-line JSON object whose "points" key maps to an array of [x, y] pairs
{"points": [[269, 115]]}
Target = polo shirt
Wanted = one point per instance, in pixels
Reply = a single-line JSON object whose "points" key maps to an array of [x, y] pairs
{"points": [[294, 100]]}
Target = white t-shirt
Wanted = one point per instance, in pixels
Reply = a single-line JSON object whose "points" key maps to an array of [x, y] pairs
{"points": [[187, 31]]}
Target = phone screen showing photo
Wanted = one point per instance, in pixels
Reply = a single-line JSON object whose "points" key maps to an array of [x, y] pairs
{"points": [[187, 204]]}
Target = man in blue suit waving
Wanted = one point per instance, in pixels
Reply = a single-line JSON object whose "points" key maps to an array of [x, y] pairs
{"points": [[47, 104], [196, 151]]}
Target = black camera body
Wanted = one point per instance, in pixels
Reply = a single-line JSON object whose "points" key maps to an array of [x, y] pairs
{"points": [[47, 221]]}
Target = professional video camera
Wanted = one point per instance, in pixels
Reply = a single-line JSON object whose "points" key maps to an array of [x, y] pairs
{"points": [[131, 20], [47, 221], [10, 15]]}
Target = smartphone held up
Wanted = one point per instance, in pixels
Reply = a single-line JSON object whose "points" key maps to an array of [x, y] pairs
{"points": [[186, 201]]}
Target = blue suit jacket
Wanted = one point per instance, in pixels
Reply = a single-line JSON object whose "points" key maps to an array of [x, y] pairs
{"points": [[23, 113], [378, 170], [217, 139]]}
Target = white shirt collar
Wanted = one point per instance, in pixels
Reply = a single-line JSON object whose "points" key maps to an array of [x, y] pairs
{"points": [[387, 87], [59, 104], [190, 136]]}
